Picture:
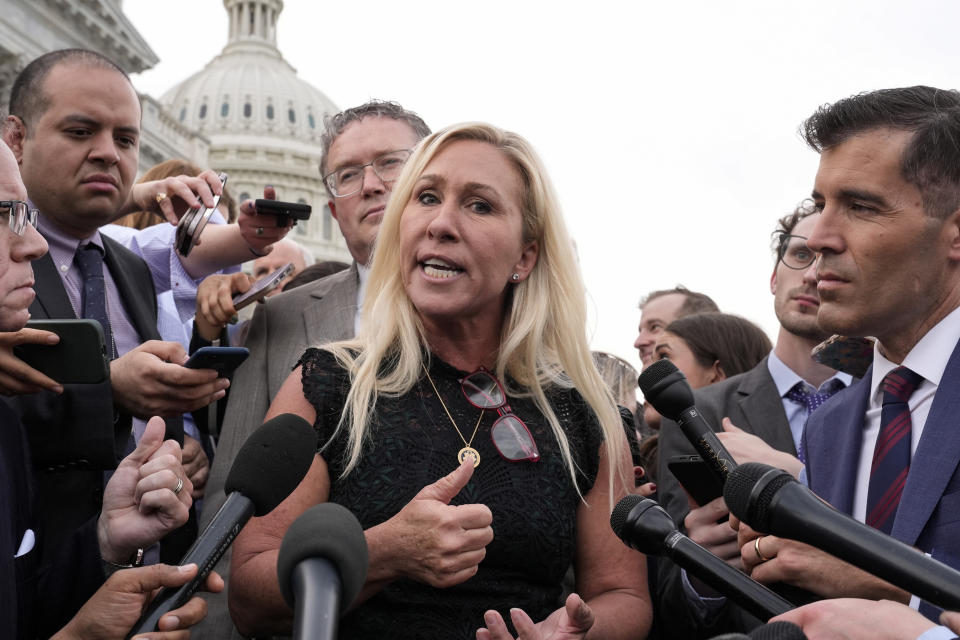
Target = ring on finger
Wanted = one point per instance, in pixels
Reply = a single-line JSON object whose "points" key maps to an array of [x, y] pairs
{"points": [[160, 197], [177, 489], [756, 547], [259, 231]]}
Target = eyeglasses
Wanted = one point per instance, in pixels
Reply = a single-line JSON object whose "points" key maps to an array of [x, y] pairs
{"points": [[510, 435], [347, 181], [794, 253], [18, 215]]}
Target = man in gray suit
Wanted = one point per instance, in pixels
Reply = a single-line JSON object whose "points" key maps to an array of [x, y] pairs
{"points": [[762, 412], [364, 149]]}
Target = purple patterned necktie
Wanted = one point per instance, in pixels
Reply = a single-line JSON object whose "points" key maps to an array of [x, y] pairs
{"points": [[891, 454], [811, 400]]}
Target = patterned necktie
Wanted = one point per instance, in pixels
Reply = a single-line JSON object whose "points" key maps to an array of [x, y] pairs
{"points": [[891, 454], [811, 400], [94, 295]]}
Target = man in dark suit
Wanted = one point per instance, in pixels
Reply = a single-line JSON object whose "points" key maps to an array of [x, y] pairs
{"points": [[74, 128], [40, 594], [769, 406], [889, 238]]}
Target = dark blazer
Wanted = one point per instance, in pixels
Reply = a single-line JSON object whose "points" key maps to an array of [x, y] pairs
{"points": [[76, 435], [37, 595], [929, 512], [752, 402]]}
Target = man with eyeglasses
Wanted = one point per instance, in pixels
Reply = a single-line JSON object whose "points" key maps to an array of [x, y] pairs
{"points": [[41, 592], [364, 150], [769, 406]]}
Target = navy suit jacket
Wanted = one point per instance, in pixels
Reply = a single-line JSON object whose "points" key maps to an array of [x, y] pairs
{"points": [[929, 513]]}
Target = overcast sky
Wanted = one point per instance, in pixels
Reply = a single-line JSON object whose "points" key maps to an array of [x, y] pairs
{"points": [[669, 128]]}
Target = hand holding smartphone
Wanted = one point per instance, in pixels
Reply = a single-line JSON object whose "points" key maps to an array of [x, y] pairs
{"points": [[284, 211], [224, 360], [192, 223], [262, 287], [79, 358]]}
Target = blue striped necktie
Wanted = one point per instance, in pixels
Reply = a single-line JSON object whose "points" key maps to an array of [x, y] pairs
{"points": [[891, 454]]}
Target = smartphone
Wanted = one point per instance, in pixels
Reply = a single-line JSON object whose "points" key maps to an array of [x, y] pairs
{"points": [[79, 358], [262, 287], [295, 210], [193, 222], [697, 478], [222, 359]]}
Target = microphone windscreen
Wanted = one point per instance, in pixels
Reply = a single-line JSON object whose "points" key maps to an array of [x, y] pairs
{"points": [[750, 488], [273, 461], [778, 631], [328, 531], [666, 388], [620, 512]]}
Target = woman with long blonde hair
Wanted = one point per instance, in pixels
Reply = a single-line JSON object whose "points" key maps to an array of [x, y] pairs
{"points": [[472, 356]]}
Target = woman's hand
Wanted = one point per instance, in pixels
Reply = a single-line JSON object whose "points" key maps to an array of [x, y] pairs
{"points": [[570, 622], [431, 541]]}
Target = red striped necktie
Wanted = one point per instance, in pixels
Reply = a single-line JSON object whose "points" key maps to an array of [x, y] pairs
{"points": [[891, 454]]}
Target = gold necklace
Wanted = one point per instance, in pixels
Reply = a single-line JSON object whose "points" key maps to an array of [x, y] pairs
{"points": [[467, 449]]}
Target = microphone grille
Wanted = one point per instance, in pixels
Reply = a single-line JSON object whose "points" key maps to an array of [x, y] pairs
{"points": [[655, 373], [749, 489], [273, 461], [620, 512], [329, 531]]}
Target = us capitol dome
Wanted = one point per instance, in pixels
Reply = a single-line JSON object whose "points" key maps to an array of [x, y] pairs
{"points": [[263, 122]]}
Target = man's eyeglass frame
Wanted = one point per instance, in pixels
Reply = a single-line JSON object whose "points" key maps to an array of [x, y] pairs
{"points": [[783, 245], [361, 171], [19, 215]]}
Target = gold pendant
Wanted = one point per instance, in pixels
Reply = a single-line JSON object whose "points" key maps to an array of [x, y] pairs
{"points": [[469, 451]]}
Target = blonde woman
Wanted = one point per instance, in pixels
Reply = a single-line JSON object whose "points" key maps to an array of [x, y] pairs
{"points": [[472, 358]]}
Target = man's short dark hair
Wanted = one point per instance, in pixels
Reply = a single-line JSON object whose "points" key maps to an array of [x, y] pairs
{"points": [[694, 301], [789, 222], [27, 99], [335, 124], [931, 160]]}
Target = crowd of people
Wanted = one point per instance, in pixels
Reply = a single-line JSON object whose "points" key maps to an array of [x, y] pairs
{"points": [[461, 416]]}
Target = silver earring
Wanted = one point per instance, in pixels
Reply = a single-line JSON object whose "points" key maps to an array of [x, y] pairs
{"points": [[516, 277]]}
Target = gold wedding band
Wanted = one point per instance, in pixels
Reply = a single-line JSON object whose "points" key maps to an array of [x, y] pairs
{"points": [[756, 547], [161, 197], [179, 487]]}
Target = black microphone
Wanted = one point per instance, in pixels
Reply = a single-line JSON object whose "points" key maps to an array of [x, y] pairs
{"points": [[322, 567], [666, 388], [268, 467], [644, 525], [771, 501], [770, 631]]}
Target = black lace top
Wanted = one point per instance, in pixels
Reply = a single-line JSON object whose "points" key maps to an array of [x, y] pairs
{"points": [[412, 444]]}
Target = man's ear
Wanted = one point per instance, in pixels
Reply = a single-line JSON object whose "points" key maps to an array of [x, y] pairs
{"points": [[14, 134], [952, 229], [333, 210], [773, 279]]}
